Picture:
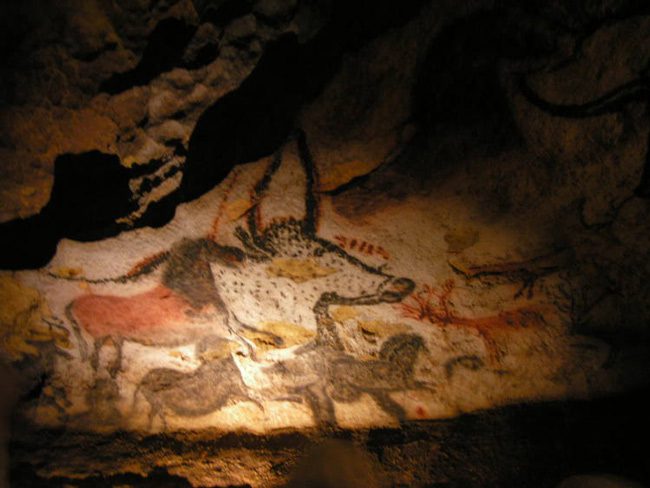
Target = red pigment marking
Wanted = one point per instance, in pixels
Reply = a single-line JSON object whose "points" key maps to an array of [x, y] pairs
{"points": [[102, 315], [434, 305], [363, 246], [420, 412], [382, 252], [215, 223]]}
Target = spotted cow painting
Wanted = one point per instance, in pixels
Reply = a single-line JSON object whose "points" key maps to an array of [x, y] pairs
{"points": [[261, 307]]}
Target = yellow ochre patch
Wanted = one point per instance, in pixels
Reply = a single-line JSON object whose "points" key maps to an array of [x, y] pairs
{"points": [[298, 270], [344, 172], [65, 272], [220, 350], [382, 329], [278, 335], [22, 321], [344, 312], [236, 209]]}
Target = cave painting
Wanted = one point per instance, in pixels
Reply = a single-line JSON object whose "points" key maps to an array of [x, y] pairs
{"points": [[206, 389], [279, 313], [323, 376], [613, 101], [180, 310], [282, 272], [435, 306]]}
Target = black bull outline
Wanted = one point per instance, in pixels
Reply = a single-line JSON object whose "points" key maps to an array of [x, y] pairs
{"points": [[257, 245]]}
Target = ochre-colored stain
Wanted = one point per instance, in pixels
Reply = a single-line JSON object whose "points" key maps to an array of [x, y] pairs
{"points": [[23, 321], [236, 209], [381, 328], [278, 335], [220, 350], [344, 312], [298, 270], [343, 172], [67, 272], [108, 315]]}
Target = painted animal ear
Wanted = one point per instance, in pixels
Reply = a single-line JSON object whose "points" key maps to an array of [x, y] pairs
{"points": [[286, 192]]}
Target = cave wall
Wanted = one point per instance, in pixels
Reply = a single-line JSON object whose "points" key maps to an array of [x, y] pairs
{"points": [[253, 218]]}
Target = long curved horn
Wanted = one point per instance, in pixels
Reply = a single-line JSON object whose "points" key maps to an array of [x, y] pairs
{"points": [[258, 194], [611, 102], [312, 209], [310, 219]]}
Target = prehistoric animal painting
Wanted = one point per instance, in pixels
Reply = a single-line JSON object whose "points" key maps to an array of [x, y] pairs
{"points": [[274, 305], [637, 90], [208, 388], [280, 278], [323, 376], [180, 310], [290, 273], [435, 306], [27, 325], [283, 272], [526, 272]]}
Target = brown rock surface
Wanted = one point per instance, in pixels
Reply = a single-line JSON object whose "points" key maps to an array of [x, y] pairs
{"points": [[237, 229]]}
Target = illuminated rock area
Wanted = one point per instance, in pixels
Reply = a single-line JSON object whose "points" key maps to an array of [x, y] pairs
{"points": [[235, 230]]}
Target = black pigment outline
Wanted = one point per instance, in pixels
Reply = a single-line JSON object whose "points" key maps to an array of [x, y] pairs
{"points": [[611, 102]]}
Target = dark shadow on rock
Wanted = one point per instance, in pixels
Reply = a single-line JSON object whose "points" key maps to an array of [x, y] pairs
{"points": [[164, 51], [525, 446], [23, 477], [459, 91], [91, 190], [459, 105], [222, 12], [253, 121]]}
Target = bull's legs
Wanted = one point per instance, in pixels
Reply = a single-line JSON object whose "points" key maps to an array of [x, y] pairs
{"points": [[155, 410], [116, 366], [321, 406], [389, 405], [94, 357]]}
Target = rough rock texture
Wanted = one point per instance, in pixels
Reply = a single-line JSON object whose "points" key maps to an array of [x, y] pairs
{"points": [[529, 446], [234, 228]]}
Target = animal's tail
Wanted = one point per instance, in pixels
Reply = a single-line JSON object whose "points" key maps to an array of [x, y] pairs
{"points": [[83, 347], [610, 102], [142, 268]]}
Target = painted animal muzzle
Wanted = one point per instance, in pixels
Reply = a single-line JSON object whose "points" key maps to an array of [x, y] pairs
{"points": [[395, 290]]}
